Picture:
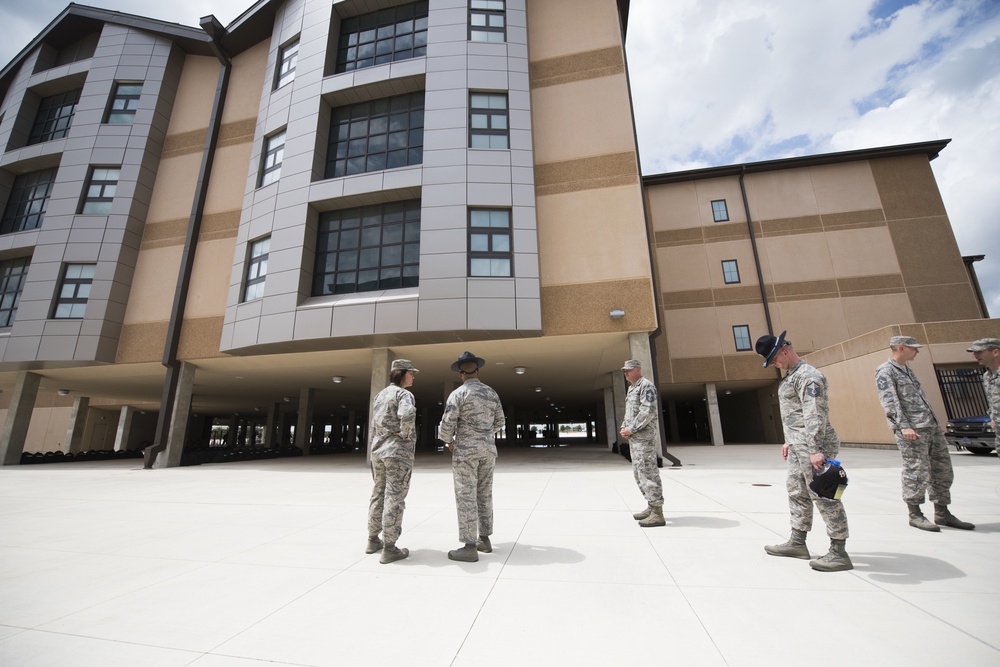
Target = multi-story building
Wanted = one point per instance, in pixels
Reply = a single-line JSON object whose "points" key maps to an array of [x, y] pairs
{"points": [[227, 233]]}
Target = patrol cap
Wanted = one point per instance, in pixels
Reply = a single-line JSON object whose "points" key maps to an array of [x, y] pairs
{"points": [[908, 341], [768, 346], [632, 363], [468, 358], [403, 365], [830, 483], [984, 344]]}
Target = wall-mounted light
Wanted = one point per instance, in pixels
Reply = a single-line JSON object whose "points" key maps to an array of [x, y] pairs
{"points": [[287, 399], [63, 392], [520, 370], [617, 314], [337, 379], [538, 390]]}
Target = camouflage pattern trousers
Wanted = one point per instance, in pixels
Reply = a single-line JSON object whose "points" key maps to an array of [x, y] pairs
{"points": [[801, 498], [385, 511], [926, 467], [474, 497], [647, 475]]}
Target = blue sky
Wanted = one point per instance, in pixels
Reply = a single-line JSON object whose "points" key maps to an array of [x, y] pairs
{"points": [[718, 82]]}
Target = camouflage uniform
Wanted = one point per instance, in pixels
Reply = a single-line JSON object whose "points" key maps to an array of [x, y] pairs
{"points": [[472, 416], [640, 419], [991, 383], [393, 441], [805, 417], [926, 461]]}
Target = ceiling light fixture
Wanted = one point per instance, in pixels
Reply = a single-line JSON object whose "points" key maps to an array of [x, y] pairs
{"points": [[538, 390], [337, 379], [617, 314], [520, 370], [63, 392]]}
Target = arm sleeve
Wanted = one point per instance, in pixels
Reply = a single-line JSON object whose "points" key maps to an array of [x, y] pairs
{"points": [[888, 396], [815, 408], [407, 413], [446, 429], [647, 408]]}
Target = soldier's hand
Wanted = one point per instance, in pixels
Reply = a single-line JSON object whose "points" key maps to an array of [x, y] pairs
{"points": [[908, 434], [784, 451], [817, 459]]}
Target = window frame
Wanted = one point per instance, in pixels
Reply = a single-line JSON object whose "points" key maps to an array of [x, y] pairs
{"points": [[286, 63], [130, 102], [99, 205], [487, 9], [744, 328], [273, 153], [727, 274], [81, 285], [256, 271], [491, 114], [13, 270], [363, 36], [18, 215], [492, 232], [53, 109], [717, 212], [352, 124]]}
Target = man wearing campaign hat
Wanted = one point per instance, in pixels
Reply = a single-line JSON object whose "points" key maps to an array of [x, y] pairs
{"points": [[394, 438], [472, 417], [809, 441], [926, 460], [987, 353], [641, 428]]}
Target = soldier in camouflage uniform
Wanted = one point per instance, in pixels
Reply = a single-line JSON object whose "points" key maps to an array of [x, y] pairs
{"points": [[641, 427], [987, 353], [926, 461], [394, 415], [809, 440], [472, 416]]}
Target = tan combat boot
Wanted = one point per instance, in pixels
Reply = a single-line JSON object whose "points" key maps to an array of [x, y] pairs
{"points": [[655, 518], [466, 554], [374, 544], [943, 517], [918, 520], [392, 553], [835, 560], [644, 514], [795, 547]]}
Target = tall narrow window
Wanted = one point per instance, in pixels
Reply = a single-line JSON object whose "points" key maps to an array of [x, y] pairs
{"points": [[730, 271], [719, 211], [124, 103], [12, 275], [28, 199], [54, 117], [274, 150], [74, 291], [741, 336], [487, 22], [369, 248], [288, 57], [385, 36], [257, 269], [376, 135], [488, 120], [100, 192], [489, 243]]}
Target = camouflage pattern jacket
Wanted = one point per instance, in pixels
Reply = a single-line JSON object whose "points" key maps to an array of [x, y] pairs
{"points": [[394, 418], [805, 409], [902, 398], [640, 410], [991, 383], [472, 416]]}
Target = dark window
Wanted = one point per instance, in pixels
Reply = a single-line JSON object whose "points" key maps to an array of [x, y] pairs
{"points": [[274, 150], [257, 269], [288, 56], [394, 33], [368, 248], [100, 192], [741, 335], [124, 102], [719, 211], [12, 274], [55, 115], [486, 21], [490, 251], [730, 271], [488, 120], [74, 291], [28, 199], [376, 135]]}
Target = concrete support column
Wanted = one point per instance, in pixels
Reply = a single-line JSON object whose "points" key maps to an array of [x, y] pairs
{"points": [[714, 420], [303, 437], [273, 414], [15, 427], [381, 364], [77, 422], [610, 421], [177, 432], [234, 425], [124, 428], [675, 433]]}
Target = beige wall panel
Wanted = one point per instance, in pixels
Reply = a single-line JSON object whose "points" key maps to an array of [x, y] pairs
{"points": [[558, 27], [795, 258], [855, 411], [580, 231], [741, 251], [673, 206], [694, 333], [811, 324], [585, 308], [862, 252], [713, 189], [156, 279], [246, 81], [907, 187], [751, 315], [229, 177], [684, 268], [47, 429], [840, 188], [561, 115], [927, 251], [195, 94], [867, 313], [787, 193], [173, 191], [938, 303], [210, 279]]}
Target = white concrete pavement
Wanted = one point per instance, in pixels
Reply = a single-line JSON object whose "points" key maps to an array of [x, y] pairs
{"points": [[262, 563]]}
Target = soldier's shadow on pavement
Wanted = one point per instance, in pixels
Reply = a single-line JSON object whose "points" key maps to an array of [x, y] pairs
{"points": [[987, 528], [524, 554], [701, 522], [900, 568]]}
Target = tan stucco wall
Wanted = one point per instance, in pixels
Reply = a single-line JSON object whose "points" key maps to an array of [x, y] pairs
{"points": [[559, 27]]}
